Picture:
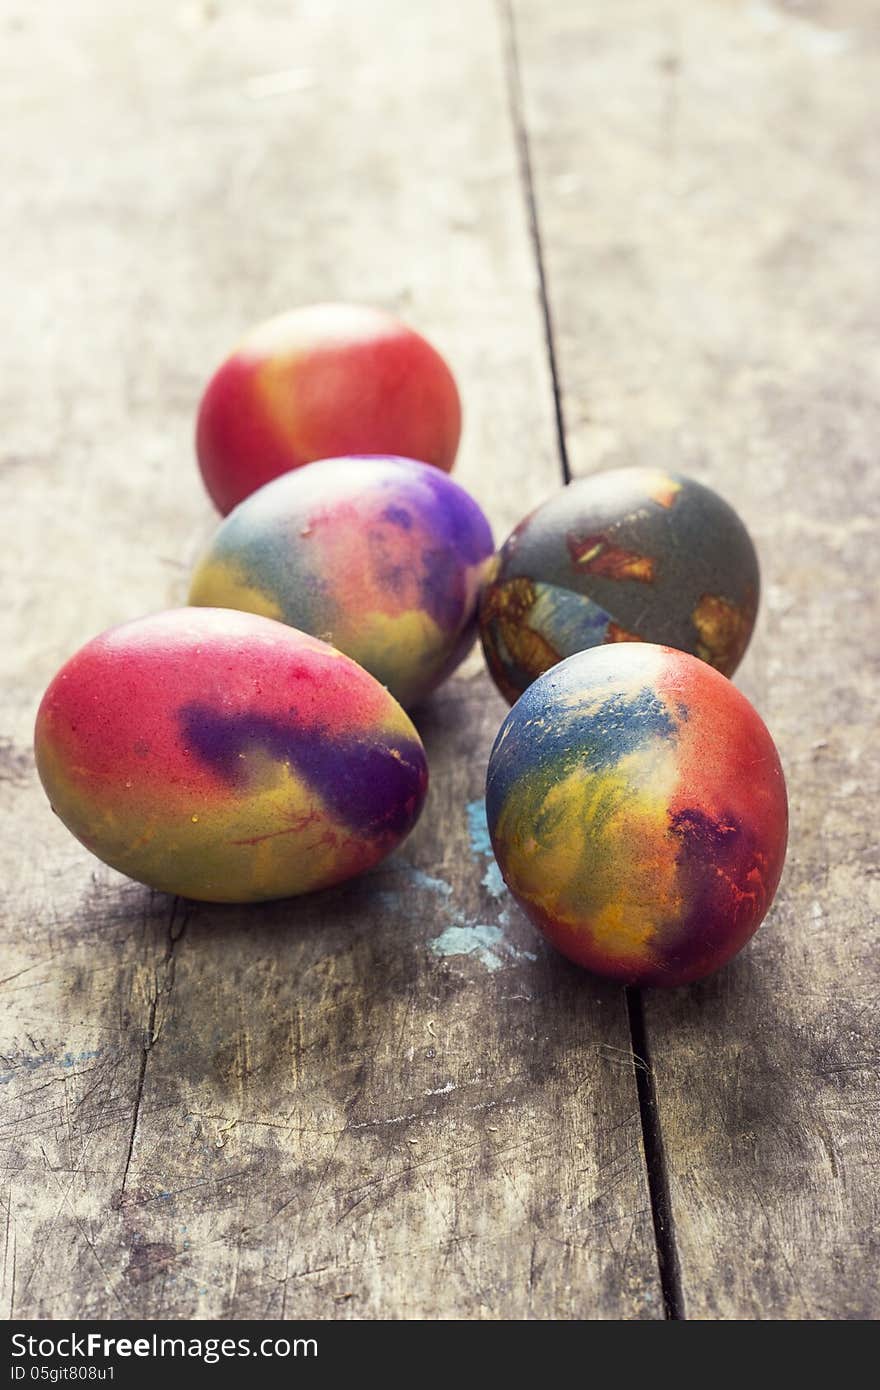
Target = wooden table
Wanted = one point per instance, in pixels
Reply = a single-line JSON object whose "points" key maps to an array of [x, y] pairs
{"points": [[642, 233]]}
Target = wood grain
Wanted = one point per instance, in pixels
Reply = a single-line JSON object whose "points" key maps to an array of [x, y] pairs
{"points": [[709, 212], [388, 1100]]}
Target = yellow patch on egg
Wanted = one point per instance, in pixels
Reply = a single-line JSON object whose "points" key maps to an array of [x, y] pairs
{"points": [[275, 377], [218, 585], [598, 850], [391, 646]]}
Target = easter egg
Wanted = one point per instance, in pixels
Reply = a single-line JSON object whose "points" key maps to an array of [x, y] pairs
{"points": [[383, 557], [322, 382], [223, 756], [625, 556], [637, 809]]}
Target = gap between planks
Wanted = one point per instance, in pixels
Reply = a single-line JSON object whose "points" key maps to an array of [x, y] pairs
{"points": [[652, 1134], [521, 135]]}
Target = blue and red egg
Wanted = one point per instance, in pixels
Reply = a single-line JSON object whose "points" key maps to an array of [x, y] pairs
{"points": [[638, 812]]}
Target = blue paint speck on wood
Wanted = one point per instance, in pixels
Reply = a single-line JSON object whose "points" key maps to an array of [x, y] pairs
{"points": [[478, 828], [493, 882]]}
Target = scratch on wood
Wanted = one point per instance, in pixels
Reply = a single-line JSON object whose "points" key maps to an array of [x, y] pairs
{"points": [[178, 919]]}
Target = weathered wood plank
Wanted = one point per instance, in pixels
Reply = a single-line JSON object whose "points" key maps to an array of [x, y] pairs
{"points": [[390, 1100], [711, 230]]}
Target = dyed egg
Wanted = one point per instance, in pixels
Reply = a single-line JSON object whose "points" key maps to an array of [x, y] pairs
{"points": [[318, 383], [626, 556], [638, 813], [223, 756], [383, 557]]}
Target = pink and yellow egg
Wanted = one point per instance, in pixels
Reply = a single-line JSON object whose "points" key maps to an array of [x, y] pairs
{"points": [[223, 756]]}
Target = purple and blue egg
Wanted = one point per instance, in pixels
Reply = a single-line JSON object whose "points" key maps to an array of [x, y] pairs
{"points": [[381, 556]]}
